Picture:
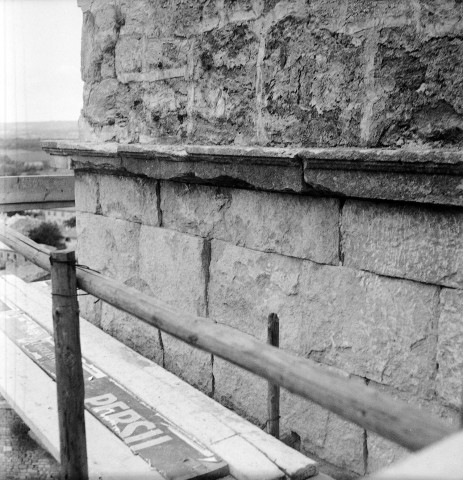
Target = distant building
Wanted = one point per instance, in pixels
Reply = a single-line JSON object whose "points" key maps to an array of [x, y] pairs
{"points": [[8, 255], [58, 215]]}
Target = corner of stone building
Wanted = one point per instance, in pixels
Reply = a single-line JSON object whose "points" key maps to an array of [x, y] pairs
{"points": [[293, 73]]}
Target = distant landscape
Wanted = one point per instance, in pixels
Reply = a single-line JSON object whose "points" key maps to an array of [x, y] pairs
{"points": [[20, 150]]}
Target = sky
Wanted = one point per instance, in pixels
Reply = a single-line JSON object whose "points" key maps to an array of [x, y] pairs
{"points": [[40, 60]]}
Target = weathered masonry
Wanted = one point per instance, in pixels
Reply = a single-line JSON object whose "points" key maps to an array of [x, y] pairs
{"points": [[240, 158]]}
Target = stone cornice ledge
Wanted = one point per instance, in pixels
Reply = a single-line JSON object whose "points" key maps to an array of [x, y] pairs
{"points": [[425, 176]]}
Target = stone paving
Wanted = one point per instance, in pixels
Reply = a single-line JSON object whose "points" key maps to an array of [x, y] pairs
{"points": [[21, 458]]}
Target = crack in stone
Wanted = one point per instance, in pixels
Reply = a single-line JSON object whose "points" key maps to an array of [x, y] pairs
{"points": [[365, 452], [342, 202], [158, 202], [161, 344], [206, 266]]}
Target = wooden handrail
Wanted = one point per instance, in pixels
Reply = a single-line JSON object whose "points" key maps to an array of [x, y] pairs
{"points": [[370, 409]]}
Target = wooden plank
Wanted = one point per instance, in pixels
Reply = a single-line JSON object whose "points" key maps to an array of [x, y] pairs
{"points": [[68, 357], [202, 417], [35, 190], [147, 433], [20, 207], [368, 408], [32, 394], [442, 461]]}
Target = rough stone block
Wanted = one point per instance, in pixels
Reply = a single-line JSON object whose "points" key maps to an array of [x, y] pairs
{"points": [[313, 82], [406, 241], [86, 192], [321, 432], [243, 392], [165, 54], [450, 347], [374, 327], [223, 105], [108, 245], [383, 185], [100, 31], [382, 452], [89, 306], [100, 104], [174, 265], [129, 198], [143, 338], [90, 309], [165, 19], [293, 225], [420, 86], [165, 107], [134, 333], [129, 54], [285, 178]]}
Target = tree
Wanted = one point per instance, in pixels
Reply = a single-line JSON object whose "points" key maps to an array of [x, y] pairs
{"points": [[48, 233], [71, 223]]}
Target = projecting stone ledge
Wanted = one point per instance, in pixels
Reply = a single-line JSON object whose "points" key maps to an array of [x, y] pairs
{"points": [[423, 176]]}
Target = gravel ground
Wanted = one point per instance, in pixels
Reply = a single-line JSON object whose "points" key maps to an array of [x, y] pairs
{"points": [[21, 458]]}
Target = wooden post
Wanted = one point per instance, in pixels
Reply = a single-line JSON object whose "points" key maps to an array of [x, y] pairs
{"points": [[273, 399], [69, 375]]}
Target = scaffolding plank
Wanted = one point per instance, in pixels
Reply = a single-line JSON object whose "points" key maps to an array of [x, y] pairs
{"points": [[147, 433], [32, 394], [204, 419]]}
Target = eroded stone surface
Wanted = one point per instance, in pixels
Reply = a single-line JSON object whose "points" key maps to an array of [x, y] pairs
{"points": [[319, 73], [109, 246], [450, 347], [405, 241], [382, 452], [86, 192], [324, 73], [100, 30], [374, 327], [384, 185], [297, 226], [371, 326], [143, 338], [129, 198], [321, 432], [311, 76], [240, 175], [173, 266], [224, 106]]}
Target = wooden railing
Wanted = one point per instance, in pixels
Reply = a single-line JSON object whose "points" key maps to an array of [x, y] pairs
{"points": [[31, 192], [368, 408]]}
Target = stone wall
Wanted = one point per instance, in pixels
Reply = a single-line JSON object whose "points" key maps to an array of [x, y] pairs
{"points": [[367, 276], [319, 73], [372, 289]]}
